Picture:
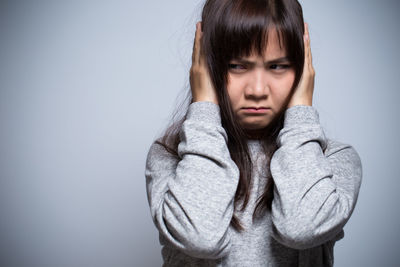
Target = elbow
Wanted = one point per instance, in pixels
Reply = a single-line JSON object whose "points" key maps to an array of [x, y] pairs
{"points": [[302, 233], [199, 241], [206, 247], [294, 236]]}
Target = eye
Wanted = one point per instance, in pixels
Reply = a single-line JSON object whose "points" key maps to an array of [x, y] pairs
{"points": [[237, 67], [279, 66]]}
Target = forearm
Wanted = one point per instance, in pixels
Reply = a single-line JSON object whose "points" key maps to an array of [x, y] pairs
{"points": [[314, 194], [193, 209]]}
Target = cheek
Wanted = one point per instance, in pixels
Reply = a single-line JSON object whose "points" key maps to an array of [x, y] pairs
{"points": [[282, 87], [234, 91]]}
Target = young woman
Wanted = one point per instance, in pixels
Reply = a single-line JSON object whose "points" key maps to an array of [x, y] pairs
{"points": [[247, 177]]}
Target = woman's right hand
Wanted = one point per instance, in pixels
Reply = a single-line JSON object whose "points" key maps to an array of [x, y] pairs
{"points": [[200, 81]]}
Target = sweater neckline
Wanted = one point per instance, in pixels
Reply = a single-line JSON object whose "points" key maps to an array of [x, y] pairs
{"points": [[254, 144], [253, 141]]}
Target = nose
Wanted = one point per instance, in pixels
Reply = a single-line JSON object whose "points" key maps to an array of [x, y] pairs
{"points": [[257, 86]]}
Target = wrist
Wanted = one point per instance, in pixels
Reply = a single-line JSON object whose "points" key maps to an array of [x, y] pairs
{"points": [[205, 99], [304, 102]]}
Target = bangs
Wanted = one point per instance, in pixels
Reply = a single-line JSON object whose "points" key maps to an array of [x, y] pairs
{"points": [[244, 42]]}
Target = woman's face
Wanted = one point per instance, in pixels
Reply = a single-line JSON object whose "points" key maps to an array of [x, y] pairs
{"points": [[258, 87]]}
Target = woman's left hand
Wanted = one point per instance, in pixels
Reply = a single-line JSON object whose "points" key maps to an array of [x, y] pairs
{"points": [[303, 94]]}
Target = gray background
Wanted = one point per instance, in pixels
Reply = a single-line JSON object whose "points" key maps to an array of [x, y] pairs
{"points": [[85, 87]]}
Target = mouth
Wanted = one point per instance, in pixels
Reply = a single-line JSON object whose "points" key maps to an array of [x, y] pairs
{"points": [[256, 109]]}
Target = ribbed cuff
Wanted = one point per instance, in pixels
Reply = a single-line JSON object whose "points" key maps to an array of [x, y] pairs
{"points": [[204, 111], [301, 114]]}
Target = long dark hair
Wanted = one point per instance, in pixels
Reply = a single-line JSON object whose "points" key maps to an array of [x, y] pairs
{"points": [[235, 28]]}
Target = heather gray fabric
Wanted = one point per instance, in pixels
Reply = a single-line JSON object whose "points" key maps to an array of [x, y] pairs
{"points": [[317, 182]]}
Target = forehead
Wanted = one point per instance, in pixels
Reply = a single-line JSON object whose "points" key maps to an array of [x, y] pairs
{"points": [[274, 47]]}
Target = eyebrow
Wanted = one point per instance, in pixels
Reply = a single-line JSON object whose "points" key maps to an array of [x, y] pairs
{"points": [[273, 61]]}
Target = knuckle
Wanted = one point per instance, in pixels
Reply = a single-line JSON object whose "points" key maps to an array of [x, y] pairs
{"points": [[196, 70], [192, 71]]}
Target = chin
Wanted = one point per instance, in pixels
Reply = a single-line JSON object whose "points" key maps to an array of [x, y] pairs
{"points": [[255, 125]]}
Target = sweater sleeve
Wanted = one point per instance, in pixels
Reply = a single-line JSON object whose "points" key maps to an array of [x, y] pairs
{"points": [[191, 197], [315, 192]]}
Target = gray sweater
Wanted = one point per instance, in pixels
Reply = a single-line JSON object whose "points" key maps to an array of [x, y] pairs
{"points": [[317, 182]]}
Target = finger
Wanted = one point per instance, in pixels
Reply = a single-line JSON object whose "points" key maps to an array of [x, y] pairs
{"points": [[194, 45], [197, 46], [306, 50], [200, 49], [309, 51], [310, 57], [307, 47]]}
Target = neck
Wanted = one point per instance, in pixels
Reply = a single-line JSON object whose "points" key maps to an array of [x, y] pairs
{"points": [[255, 134]]}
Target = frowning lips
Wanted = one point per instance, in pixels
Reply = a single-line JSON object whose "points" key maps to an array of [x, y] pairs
{"points": [[255, 109]]}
